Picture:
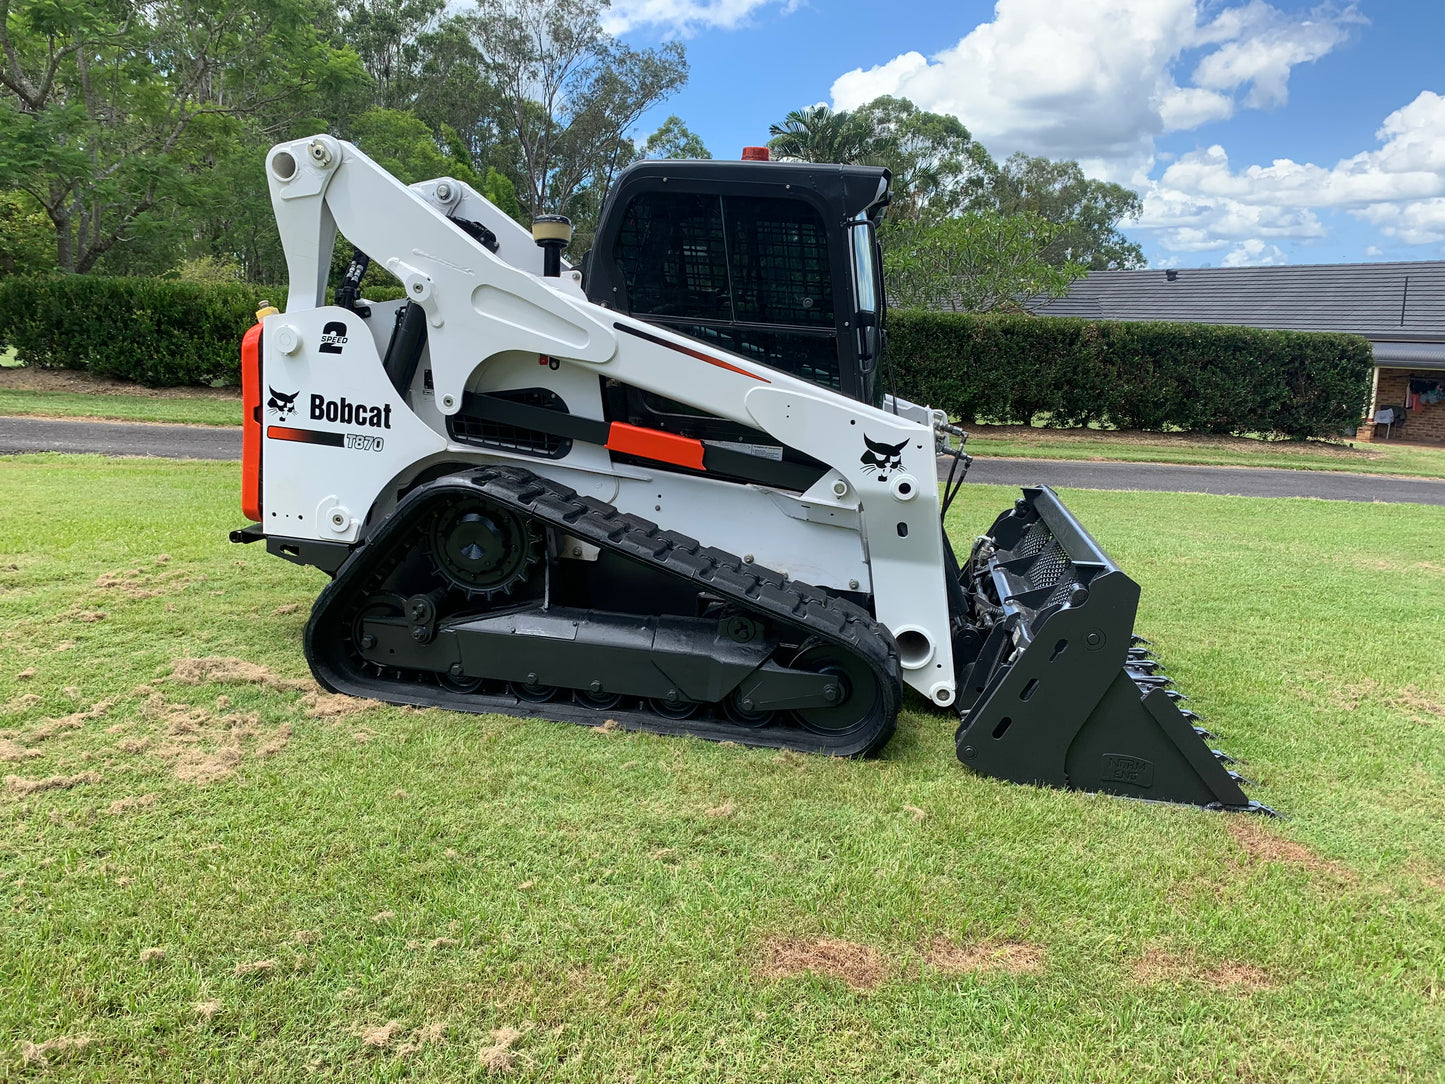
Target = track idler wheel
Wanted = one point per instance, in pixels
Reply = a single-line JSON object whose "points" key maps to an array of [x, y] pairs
{"points": [[858, 695]]}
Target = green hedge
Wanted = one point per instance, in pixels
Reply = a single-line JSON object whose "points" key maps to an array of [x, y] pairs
{"points": [[1155, 375], [157, 332], [153, 331]]}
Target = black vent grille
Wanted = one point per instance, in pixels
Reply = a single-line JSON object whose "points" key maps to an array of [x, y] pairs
{"points": [[467, 426]]}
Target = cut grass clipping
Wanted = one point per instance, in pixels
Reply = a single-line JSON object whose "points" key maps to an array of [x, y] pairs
{"points": [[211, 870]]}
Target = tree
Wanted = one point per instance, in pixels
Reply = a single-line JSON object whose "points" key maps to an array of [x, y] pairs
{"points": [[1087, 211], [410, 151], [937, 166], [223, 208], [454, 90], [490, 182], [406, 148], [424, 61], [27, 243], [390, 39], [571, 94], [674, 139], [106, 108], [976, 262], [819, 134]]}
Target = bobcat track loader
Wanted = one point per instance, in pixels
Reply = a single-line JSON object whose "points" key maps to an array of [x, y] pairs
{"points": [[656, 488]]}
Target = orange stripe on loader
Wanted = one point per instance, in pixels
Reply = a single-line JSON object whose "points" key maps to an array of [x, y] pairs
{"points": [[654, 444]]}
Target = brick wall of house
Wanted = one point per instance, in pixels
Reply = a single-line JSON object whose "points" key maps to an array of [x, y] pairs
{"points": [[1426, 423]]}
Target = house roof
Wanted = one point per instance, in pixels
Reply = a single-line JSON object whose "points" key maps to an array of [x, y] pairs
{"points": [[1395, 302]]}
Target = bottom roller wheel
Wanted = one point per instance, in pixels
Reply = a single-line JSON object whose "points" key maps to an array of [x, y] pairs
{"points": [[859, 695], [533, 694], [745, 717], [459, 683], [600, 701], [672, 709]]}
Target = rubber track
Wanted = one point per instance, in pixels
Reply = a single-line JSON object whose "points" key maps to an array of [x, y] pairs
{"points": [[812, 611]]}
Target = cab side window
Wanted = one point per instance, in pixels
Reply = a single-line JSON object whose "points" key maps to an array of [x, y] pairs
{"points": [[673, 257], [749, 275]]}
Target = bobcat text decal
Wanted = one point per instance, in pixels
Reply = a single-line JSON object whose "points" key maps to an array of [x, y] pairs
{"points": [[348, 413]]}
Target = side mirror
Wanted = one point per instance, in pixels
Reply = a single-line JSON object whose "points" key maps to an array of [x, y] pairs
{"points": [[865, 288]]}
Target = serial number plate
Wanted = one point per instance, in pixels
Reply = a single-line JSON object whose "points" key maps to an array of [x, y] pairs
{"points": [[364, 442]]}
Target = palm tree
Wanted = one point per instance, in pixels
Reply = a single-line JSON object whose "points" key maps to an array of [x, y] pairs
{"points": [[818, 134]]}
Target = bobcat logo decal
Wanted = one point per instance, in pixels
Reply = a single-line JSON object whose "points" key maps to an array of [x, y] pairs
{"points": [[883, 458], [281, 405]]}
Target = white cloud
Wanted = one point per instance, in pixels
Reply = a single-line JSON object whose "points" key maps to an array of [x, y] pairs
{"points": [[1097, 81], [1182, 108], [1201, 201], [1254, 253], [1100, 81], [1258, 46], [686, 17], [1419, 223], [1374, 251]]}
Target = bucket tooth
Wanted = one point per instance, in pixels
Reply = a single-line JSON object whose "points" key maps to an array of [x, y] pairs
{"points": [[1223, 757], [1191, 716], [1262, 809], [1241, 780], [1135, 639], [1205, 734], [1175, 695], [1074, 702]]}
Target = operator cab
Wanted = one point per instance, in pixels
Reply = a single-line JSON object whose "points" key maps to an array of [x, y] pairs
{"points": [[775, 261]]}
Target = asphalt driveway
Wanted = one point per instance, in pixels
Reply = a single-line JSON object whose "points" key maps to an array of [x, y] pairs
{"points": [[119, 438], [196, 442]]}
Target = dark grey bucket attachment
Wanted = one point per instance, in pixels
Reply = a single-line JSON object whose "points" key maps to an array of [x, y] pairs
{"points": [[1059, 691]]}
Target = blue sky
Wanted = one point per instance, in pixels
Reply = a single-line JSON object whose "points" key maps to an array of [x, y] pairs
{"points": [[1257, 132]]}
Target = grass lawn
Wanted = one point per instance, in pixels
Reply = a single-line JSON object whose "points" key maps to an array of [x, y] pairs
{"points": [[126, 408], [210, 871], [64, 393], [1366, 458]]}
